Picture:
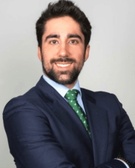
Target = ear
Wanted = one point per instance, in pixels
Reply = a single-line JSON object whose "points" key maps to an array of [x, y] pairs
{"points": [[39, 53], [87, 51]]}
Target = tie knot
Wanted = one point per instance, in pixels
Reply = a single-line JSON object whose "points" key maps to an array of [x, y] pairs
{"points": [[71, 94]]}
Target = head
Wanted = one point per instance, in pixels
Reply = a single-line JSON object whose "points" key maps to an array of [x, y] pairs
{"points": [[59, 9], [63, 34]]}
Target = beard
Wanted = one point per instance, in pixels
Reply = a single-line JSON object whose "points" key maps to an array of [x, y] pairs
{"points": [[72, 75]]}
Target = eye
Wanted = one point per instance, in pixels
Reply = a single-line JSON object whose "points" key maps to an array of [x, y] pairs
{"points": [[53, 42], [73, 41]]}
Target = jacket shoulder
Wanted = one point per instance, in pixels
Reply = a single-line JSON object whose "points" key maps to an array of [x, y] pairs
{"points": [[97, 94]]}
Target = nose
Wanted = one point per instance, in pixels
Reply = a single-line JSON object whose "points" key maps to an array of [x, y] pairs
{"points": [[63, 50]]}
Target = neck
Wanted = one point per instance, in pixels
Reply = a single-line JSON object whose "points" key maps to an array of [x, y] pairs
{"points": [[70, 86]]}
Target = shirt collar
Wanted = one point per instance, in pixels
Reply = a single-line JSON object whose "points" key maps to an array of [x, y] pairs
{"points": [[61, 89]]}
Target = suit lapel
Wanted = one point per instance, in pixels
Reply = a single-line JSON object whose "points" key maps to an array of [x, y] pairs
{"points": [[73, 124], [63, 111], [66, 114], [98, 121]]}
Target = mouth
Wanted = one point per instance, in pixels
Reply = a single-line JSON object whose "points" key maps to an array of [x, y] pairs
{"points": [[63, 64]]}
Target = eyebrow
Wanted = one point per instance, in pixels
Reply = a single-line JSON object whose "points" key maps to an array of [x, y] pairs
{"points": [[52, 36], [58, 36], [74, 36]]}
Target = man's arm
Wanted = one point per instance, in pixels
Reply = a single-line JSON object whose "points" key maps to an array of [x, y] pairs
{"points": [[30, 137], [126, 133]]}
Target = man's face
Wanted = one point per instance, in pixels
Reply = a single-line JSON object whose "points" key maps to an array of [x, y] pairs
{"points": [[63, 50]]}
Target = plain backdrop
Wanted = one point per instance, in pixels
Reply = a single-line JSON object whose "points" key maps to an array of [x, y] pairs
{"points": [[111, 65]]}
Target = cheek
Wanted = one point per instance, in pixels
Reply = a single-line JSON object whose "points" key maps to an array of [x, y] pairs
{"points": [[49, 54], [80, 56], [79, 51], [46, 62]]}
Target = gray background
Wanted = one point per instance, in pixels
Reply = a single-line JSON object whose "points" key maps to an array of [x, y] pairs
{"points": [[111, 66]]}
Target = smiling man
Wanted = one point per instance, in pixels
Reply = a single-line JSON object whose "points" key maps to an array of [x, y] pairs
{"points": [[63, 50], [57, 124]]}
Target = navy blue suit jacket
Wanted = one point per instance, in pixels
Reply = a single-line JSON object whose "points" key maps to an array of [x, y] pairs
{"points": [[44, 132]]}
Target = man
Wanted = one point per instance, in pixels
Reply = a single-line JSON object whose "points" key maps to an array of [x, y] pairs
{"points": [[43, 130]]}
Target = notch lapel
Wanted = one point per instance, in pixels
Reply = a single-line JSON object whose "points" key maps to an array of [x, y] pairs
{"points": [[61, 108], [66, 114]]}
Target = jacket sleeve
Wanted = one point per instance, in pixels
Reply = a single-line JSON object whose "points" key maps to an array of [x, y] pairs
{"points": [[30, 138], [126, 135]]}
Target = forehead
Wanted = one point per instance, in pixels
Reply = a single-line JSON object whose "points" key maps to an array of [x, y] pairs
{"points": [[62, 25]]}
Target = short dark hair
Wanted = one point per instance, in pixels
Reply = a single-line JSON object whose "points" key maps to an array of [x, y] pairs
{"points": [[59, 9]]}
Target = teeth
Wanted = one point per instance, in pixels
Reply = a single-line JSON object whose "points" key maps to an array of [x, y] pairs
{"points": [[63, 65]]}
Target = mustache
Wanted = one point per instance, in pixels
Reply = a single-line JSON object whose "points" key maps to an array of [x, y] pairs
{"points": [[63, 59]]}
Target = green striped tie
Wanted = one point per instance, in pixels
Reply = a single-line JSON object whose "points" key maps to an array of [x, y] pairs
{"points": [[71, 97]]}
